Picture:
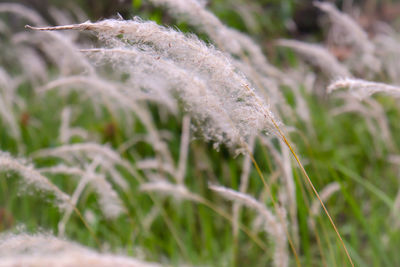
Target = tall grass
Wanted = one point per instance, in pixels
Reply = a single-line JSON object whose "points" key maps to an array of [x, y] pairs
{"points": [[142, 135]]}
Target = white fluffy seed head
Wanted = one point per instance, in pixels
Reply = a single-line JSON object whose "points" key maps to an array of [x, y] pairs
{"points": [[225, 38], [241, 108], [355, 35], [84, 152], [109, 201], [363, 89], [177, 191], [46, 250], [352, 34], [33, 178]]}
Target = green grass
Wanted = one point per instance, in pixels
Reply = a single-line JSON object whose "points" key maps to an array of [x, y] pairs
{"points": [[339, 151]]}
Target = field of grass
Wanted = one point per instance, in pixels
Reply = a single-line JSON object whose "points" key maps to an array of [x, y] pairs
{"points": [[346, 148]]}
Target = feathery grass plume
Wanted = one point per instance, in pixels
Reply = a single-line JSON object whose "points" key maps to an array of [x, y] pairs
{"points": [[388, 51], [62, 169], [252, 63], [33, 178], [247, 111], [353, 35], [200, 98], [164, 134], [23, 12], [81, 152], [117, 97], [162, 186], [99, 91], [318, 56], [109, 201], [271, 224], [152, 163], [362, 89], [46, 250], [225, 38], [59, 48], [122, 94]]}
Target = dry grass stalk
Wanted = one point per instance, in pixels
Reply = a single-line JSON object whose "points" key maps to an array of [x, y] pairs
{"points": [[199, 97]]}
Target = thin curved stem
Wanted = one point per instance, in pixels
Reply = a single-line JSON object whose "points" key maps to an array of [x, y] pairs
{"points": [[281, 134]]}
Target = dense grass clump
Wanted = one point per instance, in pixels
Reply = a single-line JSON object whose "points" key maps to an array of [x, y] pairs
{"points": [[158, 147]]}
